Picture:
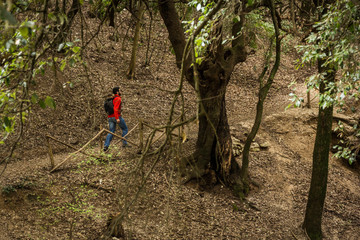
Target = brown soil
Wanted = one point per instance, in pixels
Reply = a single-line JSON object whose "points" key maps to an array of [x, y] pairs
{"points": [[76, 201]]}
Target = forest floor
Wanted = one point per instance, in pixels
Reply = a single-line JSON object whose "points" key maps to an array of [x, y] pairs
{"points": [[76, 201]]}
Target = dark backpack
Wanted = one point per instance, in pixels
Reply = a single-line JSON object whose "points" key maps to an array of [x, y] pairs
{"points": [[109, 106]]}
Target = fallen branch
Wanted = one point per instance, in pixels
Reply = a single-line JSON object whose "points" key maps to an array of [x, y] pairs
{"points": [[70, 146], [129, 132], [95, 186], [50, 152], [97, 135], [345, 119], [120, 137], [163, 131]]}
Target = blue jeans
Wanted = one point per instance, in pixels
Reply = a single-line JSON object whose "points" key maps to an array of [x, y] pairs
{"points": [[112, 128]]}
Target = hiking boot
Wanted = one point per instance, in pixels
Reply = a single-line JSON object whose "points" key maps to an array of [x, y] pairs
{"points": [[105, 149], [126, 146]]}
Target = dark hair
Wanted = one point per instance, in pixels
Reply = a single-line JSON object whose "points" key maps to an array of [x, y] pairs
{"points": [[116, 89]]}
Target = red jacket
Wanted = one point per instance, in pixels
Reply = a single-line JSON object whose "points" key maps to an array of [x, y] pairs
{"points": [[117, 107]]}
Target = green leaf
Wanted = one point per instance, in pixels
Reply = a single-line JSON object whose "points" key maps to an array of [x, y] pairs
{"points": [[49, 101], [198, 42], [7, 81], [24, 31], [76, 49], [250, 2], [7, 122], [34, 98], [42, 103], [236, 19], [52, 16], [9, 44], [288, 106], [72, 62], [6, 16], [63, 65]]}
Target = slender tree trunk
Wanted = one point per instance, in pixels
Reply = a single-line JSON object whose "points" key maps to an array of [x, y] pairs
{"points": [[317, 192], [147, 56], [293, 16], [264, 89], [113, 7], [64, 29], [131, 71], [308, 103], [246, 151]]}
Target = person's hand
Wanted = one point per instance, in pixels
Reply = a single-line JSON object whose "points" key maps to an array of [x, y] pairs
{"points": [[118, 120]]}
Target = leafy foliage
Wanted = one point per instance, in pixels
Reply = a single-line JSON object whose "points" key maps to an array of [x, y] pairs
{"points": [[335, 43], [256, 27], [345, 149], [23, 50], [259, 30], [203, 39]]}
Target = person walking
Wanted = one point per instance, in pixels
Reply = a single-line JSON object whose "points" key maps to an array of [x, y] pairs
{"points": [[115, 119]]}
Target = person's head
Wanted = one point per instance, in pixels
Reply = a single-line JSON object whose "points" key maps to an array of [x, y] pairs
{"points": [[116, 90]]}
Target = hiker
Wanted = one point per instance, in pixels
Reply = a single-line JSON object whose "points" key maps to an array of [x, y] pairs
{"points": [[115, 118]]}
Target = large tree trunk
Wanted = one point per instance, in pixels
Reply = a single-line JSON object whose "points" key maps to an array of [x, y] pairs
{"points": [[318, 186], [214, 146]]}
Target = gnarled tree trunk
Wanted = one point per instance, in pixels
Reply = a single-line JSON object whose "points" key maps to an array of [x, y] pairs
{"points": [[214, 146]]}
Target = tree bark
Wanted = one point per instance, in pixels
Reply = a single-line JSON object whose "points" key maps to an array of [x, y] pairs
{"points": [[317, 192], [65, 28], [114, 4], [131, 71], [318, 185], [176, 33], [263, 91], [214, 146]]}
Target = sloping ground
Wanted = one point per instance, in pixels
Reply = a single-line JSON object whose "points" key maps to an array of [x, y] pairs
{"points": [[76, 201]]}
